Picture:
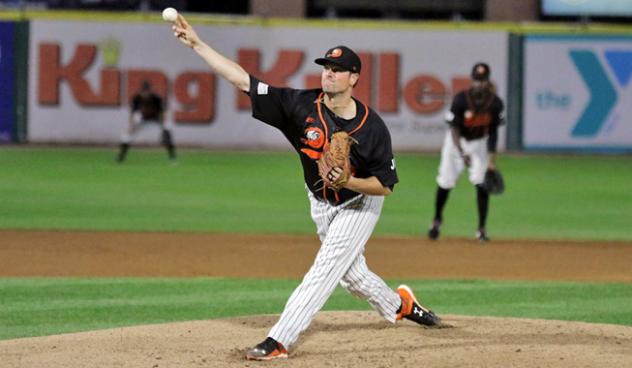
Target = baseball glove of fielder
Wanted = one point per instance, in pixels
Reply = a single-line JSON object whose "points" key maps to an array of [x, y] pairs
{"points": [[334, 166], [494, 182]]}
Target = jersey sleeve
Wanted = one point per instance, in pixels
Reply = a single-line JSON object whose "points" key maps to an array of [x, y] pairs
{"points": [[498, 119], [499, 113], [271, 105], [381, 162], [454, 117], [161, 103], [135, 105]]}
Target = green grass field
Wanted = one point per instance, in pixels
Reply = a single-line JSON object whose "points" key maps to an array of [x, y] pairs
{"points": [[89, 304], [548, 197]]}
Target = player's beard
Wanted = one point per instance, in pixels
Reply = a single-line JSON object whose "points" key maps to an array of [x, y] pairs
{"points": [[335, 89], [480, 93], [330, 87]]}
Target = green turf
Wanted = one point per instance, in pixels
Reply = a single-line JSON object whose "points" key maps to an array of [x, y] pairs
{"points": [[548, 197], [78, 304]]}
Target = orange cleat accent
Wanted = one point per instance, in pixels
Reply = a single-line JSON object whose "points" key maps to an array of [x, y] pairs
{"points": [[408, 299], [267, 350], [412, 310]]}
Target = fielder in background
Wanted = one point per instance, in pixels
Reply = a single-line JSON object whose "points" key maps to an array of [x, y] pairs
{"points": [[470, 142], [345, 207], [146, 110]]}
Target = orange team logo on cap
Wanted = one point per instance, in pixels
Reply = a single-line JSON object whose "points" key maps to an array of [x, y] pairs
{"points": [[335, 53]]}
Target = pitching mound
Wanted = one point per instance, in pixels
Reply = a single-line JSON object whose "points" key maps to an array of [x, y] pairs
{"points": [[335, 339]]}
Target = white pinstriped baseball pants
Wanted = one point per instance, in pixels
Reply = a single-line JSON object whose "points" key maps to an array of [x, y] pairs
{"points": [[343, 231]]}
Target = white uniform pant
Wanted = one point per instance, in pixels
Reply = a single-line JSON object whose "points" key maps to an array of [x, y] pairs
{"points": [[138, 125], [452, 164], [343, 231]]}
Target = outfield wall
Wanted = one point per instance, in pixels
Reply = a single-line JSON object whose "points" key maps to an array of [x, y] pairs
{"points": [[564, 91], [577, 93], [7, 82], [82, 74]]}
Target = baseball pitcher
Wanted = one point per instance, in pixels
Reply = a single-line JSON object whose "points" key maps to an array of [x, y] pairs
{"points": [[348, 166]]}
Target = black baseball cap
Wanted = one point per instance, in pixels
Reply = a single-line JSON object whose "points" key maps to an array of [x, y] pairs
{"points": [[341, 56], [480, 71]]}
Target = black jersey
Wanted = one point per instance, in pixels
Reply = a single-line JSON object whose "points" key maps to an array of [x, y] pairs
{"points": [[306, 122], [476, 121], [149, 105]]}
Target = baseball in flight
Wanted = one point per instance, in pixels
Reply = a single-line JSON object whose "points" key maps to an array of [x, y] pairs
{"points": [[170, 15]]}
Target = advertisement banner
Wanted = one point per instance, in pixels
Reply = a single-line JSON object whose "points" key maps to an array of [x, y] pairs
{"points": [[578, 94], [7, 82], [82, 75]]}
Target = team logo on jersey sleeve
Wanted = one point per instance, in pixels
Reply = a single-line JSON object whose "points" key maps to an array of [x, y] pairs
{"points": [[315, 140], [314, 137]]}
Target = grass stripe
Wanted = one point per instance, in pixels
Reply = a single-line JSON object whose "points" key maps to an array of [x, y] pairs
{"points": [[547, 197], [45, 306]]}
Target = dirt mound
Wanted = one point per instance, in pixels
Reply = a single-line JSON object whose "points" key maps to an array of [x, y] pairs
{"points": [[335, 339]]}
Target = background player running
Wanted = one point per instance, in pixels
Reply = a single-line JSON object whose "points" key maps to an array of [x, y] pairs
{"points": [[147, 109], [345, 218], [470, 142]]}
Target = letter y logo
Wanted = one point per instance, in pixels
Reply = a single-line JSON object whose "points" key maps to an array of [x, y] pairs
{"points": [[603, 96]]}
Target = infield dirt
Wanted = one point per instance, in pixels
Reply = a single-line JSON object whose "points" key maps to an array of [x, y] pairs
{"points": [[335, 339]]}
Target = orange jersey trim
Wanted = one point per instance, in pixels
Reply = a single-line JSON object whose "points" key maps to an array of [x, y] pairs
{"points": [[322, 120], [314, 155], [366, 115]]}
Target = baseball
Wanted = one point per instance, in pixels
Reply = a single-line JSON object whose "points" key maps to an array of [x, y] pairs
{"points": [[170, 15]]}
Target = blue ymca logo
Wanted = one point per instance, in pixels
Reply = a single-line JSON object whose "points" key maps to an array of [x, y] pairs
{"points": [[603, 95]]}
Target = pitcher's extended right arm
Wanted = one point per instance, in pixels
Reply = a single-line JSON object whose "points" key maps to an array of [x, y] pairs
{"points": [[223, 66]]}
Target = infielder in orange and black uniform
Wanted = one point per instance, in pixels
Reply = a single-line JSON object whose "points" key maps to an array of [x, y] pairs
{"points": [[147, 109], [470, 142], [344, 218]]}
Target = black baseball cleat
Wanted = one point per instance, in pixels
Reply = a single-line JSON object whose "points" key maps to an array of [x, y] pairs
{"points": [[481, 235], [413, 311], [269, 349], [433, 232]]}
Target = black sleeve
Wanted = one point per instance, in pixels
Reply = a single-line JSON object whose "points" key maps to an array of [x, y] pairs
{"points": [[159, 102], [135, 105], [493, 139], [499, 114], [498, 119], [270, 104], [454, 117], [381, 162]]}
